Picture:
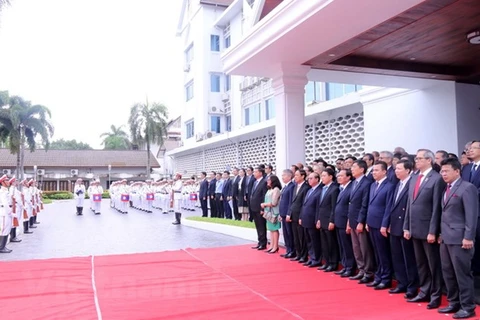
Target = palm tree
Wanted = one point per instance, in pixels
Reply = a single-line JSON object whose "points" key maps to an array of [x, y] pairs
{"points": [[148, 124], [20, 124], [116, 139]]}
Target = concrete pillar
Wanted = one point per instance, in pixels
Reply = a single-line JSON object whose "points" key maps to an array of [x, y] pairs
{"points": [[58, 185], [289, 90]]}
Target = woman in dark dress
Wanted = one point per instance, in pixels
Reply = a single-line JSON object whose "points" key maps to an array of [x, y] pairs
{"points": [[241, 197]]}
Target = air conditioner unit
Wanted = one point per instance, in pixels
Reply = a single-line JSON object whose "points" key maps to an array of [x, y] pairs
{"points": [[186, 67], [74, 172], [214, 109], [7, 172], [40, 172], [210, 134], [250, 83], [199, 137], [225, 97]]}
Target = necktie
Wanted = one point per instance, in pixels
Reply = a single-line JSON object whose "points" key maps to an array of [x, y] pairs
{"points": [[355, 185], [308, 194], [447, 192], [376, 187], [297, 187], [417, 186], [255, 185], [400, 188], [472, 172], [341, 188], [324, 191]]}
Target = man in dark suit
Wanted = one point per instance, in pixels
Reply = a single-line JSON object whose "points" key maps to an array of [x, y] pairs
{"points": [[340, 217], [293, 216], [357, 208], [369, 160], [257, 197], [422, 224], [226, 194], [308, 221], [234, 194], [471, 173], [211, 194], [284, 206], [403, 255], [325, 220], [249, 186], [377, 214], [387, 157], [458, 228], [203, 194]]}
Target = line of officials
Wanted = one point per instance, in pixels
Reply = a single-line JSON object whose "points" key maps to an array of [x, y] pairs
{"points": [[409, 221]]}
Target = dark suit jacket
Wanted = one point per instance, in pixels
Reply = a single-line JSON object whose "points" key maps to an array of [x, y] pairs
{"points": [[340, 216], [257, 196], [459, 213], [475, 181], [234, 189], [391, 176], [396, 217], [203, 193], [297, 201], [310, 208], [326, 206], [358, 202], [423, 214], [378, 204], [249, 184], [227, 188], [211, 187], [370, 176], [286, 199]]}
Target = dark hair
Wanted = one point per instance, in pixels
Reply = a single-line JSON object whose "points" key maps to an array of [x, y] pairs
{"points": [[262, 166], [316, 175], [353, 158], [362, 164], [454, 163], [444, 153], [330, 172], [323, 162], [407, 165], [251, 168], [275, 182], [294, 166], [261, 169], [382, 164], [452, 155], [214, 173], [340, 159], [464, 153], [309, 169], [227, 172], [331, 166], [269, 166], [241, 169], [348, 173], [369, 156], [204, 173], [398, 155], [302, 173]]}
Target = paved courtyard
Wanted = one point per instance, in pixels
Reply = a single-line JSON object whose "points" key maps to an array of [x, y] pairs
{"points": [[63, 234]]}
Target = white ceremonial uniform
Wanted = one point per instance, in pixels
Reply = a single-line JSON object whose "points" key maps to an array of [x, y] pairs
{"points": [[79, 195], [97, 205], [27, 196], [177, 195], [5, 212]]}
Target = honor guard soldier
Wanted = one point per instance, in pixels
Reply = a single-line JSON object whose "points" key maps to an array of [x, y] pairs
{"points": [[31, 204], [90, 194], [25, 218], [27, 202], [79, 195], [97, 192], [35, 205], [5, 214], [176, 198], [17, 209], [148, 196], [124, 192]]}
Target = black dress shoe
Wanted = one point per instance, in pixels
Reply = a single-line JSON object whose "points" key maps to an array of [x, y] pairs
{"points": [[397, 290], [365, 280], [449, 309], [290, 255], [462, 314], [329, 269], [27, 232], [295, 259], [325, 266], [433, 305], [302, 260], [262, 248], [15, 240], [306, 264], [255, 247], [346, 274], [373, 284], [314, 265], [409, 295], [357, 277], [340, 272], [418, 299], [383, 286]]}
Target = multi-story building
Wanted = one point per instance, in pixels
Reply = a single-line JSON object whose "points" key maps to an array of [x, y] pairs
{"points": [[280, 105]]}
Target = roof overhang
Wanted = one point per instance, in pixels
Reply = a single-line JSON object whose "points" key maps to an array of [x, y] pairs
{"points": [[227, 15], [288, 33]]}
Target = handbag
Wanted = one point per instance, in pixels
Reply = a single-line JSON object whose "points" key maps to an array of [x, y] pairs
{"points": [[269, 215]]}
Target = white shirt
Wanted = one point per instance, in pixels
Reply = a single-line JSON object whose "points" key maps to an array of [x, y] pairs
{"points": [[425, 173]]}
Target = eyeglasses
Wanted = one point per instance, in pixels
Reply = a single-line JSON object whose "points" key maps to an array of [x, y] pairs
{"points": [[419, 158]]}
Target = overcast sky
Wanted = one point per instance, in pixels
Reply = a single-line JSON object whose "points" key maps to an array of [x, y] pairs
{"points": [[89, 61]]}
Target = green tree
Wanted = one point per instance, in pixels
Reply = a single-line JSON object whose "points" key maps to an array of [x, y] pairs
{"points": [[116, 139], [20, 124], [62, 144], [148, 124]]}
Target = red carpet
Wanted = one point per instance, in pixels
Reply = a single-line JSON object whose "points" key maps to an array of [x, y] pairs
{"points": [[218, 283]]}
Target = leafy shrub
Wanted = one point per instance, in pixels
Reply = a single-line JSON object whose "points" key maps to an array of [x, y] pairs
{"points": [[61, 196]]}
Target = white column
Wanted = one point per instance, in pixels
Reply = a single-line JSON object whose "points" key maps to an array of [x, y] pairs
{"points": [[289, 89]]}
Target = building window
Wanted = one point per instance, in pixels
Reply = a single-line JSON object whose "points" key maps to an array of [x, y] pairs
{"points": [[337, 90], [189, 54], [214, 82], [215, 124], [228, 124], [226, 36], [227, 106], [252, 114], [215, 43], [312, 92], [227, 82], [269, 108], [189, 91], [190, 129]]}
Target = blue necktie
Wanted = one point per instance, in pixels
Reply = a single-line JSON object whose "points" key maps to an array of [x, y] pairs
{"points": [[308, 194], [324, 190], [472, 172], [255, 186]]}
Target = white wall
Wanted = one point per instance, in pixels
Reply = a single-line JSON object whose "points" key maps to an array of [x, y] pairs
{"points": [[412, 119], [468, 113]]}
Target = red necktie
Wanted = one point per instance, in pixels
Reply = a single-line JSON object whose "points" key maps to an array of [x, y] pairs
{"points": [[447, 192], [417, 186]]}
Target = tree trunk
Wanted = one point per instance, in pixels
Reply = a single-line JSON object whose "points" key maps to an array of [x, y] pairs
{"points": [[17, 171], [148, 156]]}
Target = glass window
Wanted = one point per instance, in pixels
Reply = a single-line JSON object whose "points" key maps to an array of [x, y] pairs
{"points": [[215, 124], [228, 120], [270, 108], [214, 43], [226, 36], [337, 90], [252, 114], [190, 129], [227, 82], [189, 91], [214, 82], [227, 42]]}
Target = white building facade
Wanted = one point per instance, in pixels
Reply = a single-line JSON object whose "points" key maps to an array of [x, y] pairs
{"points": [[274, 109]]}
